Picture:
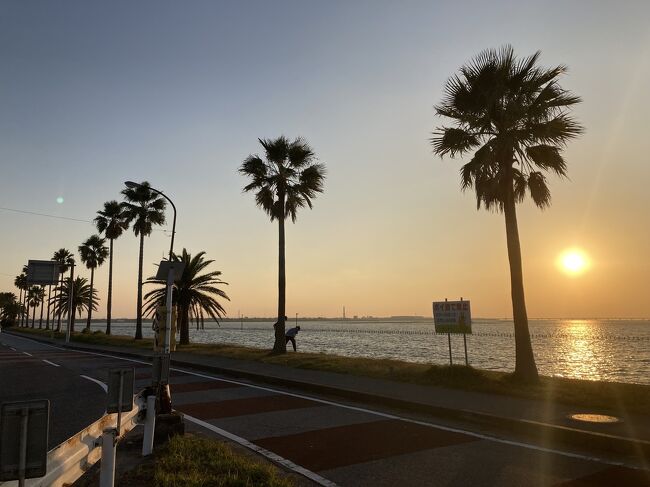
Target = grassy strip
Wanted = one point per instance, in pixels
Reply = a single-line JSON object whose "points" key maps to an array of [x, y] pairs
{"points": [[192, 461], [613, 396]]}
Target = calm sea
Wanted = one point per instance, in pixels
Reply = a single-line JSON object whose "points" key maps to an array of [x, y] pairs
{"points": [[617, 350]]}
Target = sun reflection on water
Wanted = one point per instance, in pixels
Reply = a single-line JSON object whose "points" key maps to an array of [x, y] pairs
{"points": [[581, 350]]}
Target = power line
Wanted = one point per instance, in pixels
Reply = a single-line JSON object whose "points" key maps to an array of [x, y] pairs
{"points": [[44, 214], [26, 212]]}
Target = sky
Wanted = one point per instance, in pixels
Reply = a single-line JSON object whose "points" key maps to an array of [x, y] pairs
{"points": [[177, 93]]}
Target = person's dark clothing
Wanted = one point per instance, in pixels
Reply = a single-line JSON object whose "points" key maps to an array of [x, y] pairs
{"points": [[293, 342]]}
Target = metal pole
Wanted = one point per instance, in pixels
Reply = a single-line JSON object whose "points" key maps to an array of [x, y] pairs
{"points": [[451, 362], [119, 403], [70, 303], [107, 472], [149, 426], [465, 343], [163, 391], [22, 461]]}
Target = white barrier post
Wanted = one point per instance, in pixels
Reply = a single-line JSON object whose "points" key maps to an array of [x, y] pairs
{"points": [[149, 426], [107, 472]]}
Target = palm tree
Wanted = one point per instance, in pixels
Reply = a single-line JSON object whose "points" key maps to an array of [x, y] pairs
{"points": [[194, 295], [9, 309], [83, 296], [93, 253], [40, 320], [65, 258], [514, 116], [20, 282], [112, 222], [145, 209], [35, 296], [283, 183]]}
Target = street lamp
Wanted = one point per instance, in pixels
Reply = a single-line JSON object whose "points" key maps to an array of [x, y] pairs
{"points": [[161, 363]]}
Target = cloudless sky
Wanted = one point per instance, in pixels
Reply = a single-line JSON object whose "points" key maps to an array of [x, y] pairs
{"points": [[177, 93]]}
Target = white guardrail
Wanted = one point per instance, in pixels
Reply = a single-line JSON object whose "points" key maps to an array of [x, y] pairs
{"points": [[72, 458]]}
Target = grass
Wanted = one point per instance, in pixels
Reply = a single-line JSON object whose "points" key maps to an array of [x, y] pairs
{"points": [[612, 396], [192, 461]]}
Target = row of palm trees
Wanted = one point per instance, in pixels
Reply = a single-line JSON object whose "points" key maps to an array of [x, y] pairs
{"points": [[194, 293], [510, 114]]}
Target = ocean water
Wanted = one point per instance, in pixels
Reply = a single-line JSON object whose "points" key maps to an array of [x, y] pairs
{"points": [[615, 350]]}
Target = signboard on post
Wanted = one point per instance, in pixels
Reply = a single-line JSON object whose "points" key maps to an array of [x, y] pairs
{"points": [[24, 430], [120, 390], [452, 317], [43, 272]]}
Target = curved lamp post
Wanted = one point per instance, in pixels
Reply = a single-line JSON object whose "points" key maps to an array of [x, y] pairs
{"points": [[161, 369]]}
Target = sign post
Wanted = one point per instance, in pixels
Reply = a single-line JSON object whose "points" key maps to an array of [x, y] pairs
{"points": [[24, 430], [453, 317]]}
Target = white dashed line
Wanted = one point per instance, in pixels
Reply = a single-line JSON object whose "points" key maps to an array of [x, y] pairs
{"points": [[13, 348], [51, 363], [28, 354]]}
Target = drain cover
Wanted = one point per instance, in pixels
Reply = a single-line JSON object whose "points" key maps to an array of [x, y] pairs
{"points": [[595, 418]]}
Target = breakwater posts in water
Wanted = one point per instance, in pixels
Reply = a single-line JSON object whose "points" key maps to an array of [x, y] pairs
{"points": [[358, 331]]}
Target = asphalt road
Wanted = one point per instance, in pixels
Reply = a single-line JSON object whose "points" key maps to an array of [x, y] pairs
{"points": [[31, 370], [329, 442]]}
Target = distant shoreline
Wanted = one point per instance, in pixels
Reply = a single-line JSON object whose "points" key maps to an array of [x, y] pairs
{"points": [[367, 319]]}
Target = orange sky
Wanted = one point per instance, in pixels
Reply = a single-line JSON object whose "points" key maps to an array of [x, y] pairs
{"points": [[392, 232]]}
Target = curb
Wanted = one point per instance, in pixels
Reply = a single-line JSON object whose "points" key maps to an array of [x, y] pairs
{"points": [[543, 432]]}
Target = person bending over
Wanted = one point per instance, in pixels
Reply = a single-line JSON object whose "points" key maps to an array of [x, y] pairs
{"points": [[291, 336]]}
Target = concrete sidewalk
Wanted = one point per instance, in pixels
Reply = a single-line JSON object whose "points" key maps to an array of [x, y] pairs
{"points": [[544, 421]]}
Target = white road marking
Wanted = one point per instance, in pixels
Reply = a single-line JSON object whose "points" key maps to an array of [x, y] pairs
{"points": [[51, 363], [99, 382], [28, 354], [13, 348], [375, 413], [262, 451]]}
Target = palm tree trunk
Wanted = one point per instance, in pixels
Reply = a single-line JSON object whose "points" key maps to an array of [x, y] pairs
{"points": [[280, 345], [525, 368], [138, 323], [20, 300], [90, 299], [185, 324], [58, 324], [33, 314], [40, 321], [26, 310], [49, 302], [109, 301]]}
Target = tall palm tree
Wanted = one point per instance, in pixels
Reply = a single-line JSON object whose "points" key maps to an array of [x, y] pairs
{"points": [[112, 222], [65, 258], [83, 296], [144, 209], [93, 253], [514, 116], [285, 181], [194, 294], [35, 296]]}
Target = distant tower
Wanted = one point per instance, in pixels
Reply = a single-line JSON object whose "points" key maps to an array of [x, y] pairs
{"points": [[343, 312]]}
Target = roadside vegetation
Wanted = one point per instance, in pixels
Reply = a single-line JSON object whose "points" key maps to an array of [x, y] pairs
{"points": [[192, 461], [633, 398]]}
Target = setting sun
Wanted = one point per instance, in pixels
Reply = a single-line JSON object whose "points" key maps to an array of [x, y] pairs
{"points": [[573, 262]]}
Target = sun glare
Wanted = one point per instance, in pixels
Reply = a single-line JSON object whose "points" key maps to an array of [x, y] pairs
{"points": [[573, 261]]}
